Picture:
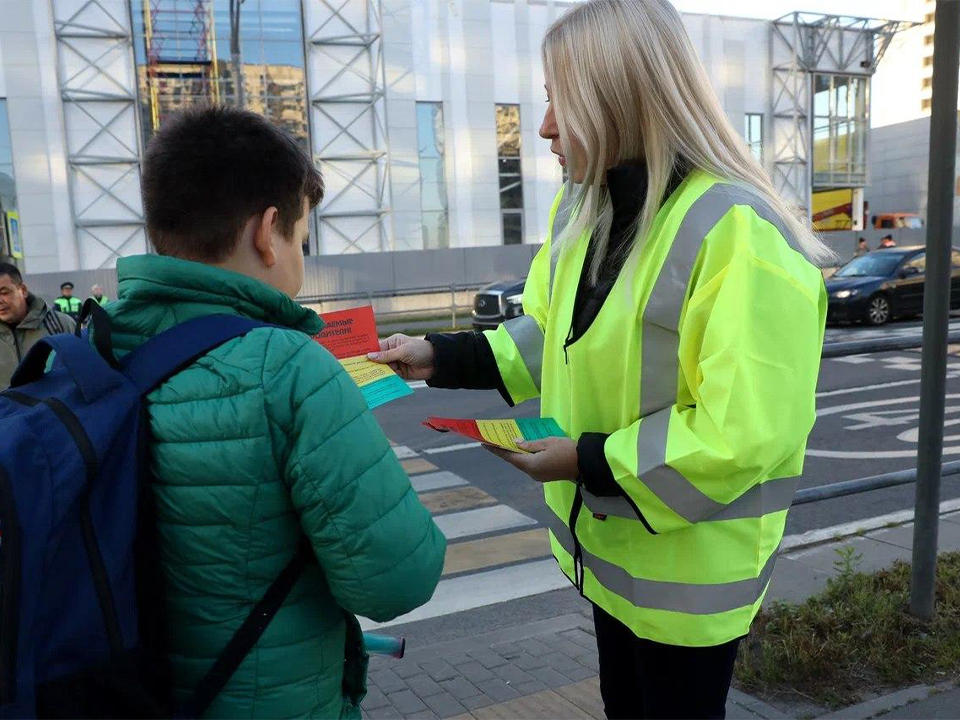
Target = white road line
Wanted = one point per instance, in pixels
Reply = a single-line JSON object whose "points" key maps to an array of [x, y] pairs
{"points": [[436, 481], [403, 452], [450, 448], [865, 388], [485, 588], [417, 384], [481, 520], [878, 386], [812, 537], [854, 359]]}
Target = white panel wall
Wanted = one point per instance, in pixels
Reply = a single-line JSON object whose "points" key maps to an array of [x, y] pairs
{"points": [[29, 82]]}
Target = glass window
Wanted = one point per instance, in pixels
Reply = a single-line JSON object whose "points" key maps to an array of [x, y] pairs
{"points": [[955, 259], [188, 54], [919, 262], [872, 265], [433, 186], [840, 122], [510, 173], [8, 189], [753, 133]]}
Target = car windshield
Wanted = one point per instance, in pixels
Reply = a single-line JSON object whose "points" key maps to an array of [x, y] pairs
{"points": [[870, 265]]}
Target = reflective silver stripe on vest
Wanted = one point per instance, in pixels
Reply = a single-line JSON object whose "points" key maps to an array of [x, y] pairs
{"points": [[528, 337], [660, 368], [768, 497], [690, 598], [661, 317]]}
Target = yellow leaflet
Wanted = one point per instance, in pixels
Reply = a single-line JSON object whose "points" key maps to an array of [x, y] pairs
{"points": [[364, 371], [501, 433]]}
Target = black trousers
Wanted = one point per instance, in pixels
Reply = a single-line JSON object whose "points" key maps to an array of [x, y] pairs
{"points": [[644, 679]]}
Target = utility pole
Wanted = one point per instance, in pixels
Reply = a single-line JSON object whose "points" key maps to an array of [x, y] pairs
{"points": [[235, 59], [936, 305]]}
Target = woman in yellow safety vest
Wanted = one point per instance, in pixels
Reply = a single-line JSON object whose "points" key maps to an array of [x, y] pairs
{"points": [[672, 325]]}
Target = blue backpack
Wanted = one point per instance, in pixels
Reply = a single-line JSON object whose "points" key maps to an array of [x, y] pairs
{"points": [[81, 592]]}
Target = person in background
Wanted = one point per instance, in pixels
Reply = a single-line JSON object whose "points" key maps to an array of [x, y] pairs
{"points": [[265, 442], [24, 319], [887, 242], [862, 247], [673, 322], [67, 303], [96, 292]]}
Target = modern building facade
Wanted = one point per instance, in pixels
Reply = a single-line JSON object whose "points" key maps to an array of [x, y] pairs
{"points": [[422, 114]]}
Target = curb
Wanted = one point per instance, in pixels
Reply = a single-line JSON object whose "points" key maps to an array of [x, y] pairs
{"points": [[755, 705], [886, 703]]}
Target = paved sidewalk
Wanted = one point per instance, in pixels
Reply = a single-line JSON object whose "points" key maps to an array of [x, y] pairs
{"points": [[548, 669]]}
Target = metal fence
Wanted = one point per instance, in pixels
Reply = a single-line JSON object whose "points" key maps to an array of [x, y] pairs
{"points": [[374, 276]]}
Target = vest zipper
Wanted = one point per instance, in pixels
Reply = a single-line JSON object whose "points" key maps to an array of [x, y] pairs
{"points": [[16, 345], [577, 547]]}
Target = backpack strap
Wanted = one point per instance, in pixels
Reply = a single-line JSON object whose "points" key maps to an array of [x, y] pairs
{"points": [[247, 635], [91, 373], [172, 350]]}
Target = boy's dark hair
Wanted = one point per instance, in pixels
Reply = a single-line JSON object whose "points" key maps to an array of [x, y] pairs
{"points": [[207, 171], [13, 271]]}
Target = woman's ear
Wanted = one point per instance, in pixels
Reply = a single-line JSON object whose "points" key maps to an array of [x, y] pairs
{"points": [[263, 237]]}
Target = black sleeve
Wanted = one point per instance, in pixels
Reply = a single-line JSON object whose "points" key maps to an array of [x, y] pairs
{"points": [[464, 361], [595, 474]]}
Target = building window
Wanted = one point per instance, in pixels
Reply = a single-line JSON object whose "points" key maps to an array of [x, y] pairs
{"points": [[928, 40], [840, 122], [929, 17], [753, 132], [928, 61], [192, 52], [10, 246], [433, 186], [927, 82], [511, 177], [926, 103]]}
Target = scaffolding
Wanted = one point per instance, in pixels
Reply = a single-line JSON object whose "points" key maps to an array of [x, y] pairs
{"points": [[98, 89], [802, 44], [180, 41], [344, 41]]}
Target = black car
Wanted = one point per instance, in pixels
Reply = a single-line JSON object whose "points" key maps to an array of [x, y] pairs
{"points": [[496, 303], [884, 284]]}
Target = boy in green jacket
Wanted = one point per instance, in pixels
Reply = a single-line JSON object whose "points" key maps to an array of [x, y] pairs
{"points": [[266, 439]]}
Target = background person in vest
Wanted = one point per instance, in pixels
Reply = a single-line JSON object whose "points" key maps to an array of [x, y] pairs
{"points": [[673, 326], [67, 303], [887, 241], [24, 319], [96, 292]]}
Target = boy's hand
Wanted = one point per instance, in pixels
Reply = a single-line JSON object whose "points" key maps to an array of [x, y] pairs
{"points": [[410, 358], [546, 460]]}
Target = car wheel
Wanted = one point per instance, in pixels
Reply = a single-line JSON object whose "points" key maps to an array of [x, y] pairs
{"points": [[878, 310]]}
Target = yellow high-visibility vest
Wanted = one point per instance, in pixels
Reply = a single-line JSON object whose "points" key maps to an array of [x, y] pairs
{"points": [[702, 367]]}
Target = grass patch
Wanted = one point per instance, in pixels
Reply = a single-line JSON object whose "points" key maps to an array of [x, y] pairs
{"points": [[854, 638]]}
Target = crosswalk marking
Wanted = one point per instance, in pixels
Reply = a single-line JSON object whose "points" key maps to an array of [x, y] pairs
{"points": [[486, 552], [403, 452], [436, 481], [417, 465], [475, 590], [451, 448], [461, 498], [482, 520], [493, 554]]}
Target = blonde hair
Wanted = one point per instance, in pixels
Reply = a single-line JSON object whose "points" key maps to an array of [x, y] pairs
{"points": [[626, 82]]}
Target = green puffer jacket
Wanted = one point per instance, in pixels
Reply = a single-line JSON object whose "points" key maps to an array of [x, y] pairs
{"points": [[264, 439]]}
